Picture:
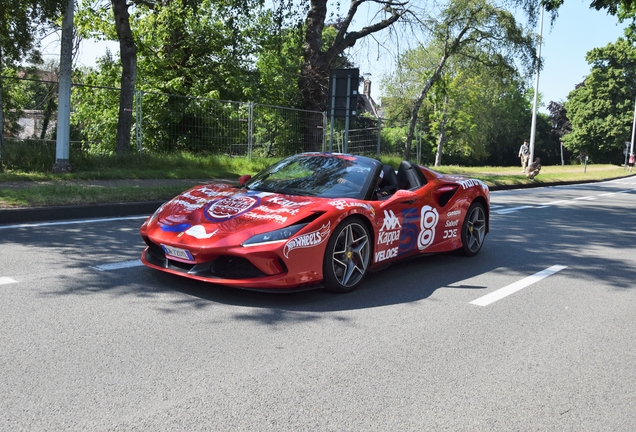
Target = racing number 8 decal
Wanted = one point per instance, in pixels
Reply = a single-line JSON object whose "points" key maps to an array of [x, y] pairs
{"points": [[428, 221]]}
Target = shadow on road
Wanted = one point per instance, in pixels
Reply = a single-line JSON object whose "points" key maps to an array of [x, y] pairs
{"points": [[558, 235]]}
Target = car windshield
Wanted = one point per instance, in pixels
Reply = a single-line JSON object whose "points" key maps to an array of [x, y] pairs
{"points": [[320, 175]]}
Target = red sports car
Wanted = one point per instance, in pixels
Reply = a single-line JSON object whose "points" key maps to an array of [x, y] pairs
{"points": [[315, 219]]}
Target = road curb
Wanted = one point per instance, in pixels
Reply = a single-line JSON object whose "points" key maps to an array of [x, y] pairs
{"points": [[38, 214]]}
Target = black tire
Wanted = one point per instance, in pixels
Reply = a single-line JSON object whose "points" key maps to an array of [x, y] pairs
{"points": [[474, 230], [347, 256]]}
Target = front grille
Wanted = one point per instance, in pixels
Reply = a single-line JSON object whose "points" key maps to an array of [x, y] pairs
{"points": [[231, 267], [179, 266], [226, 266], [156, 251]]}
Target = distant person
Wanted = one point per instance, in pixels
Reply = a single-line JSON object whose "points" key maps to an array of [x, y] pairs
{"points": [[533, 169], [630, 164], [524, 154]]}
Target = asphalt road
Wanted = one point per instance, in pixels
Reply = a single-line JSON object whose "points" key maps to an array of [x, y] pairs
{"points": [[537, 332]]}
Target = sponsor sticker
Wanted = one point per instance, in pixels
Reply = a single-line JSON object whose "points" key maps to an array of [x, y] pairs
{"points": [[287, 203], [228, 208], [428, 221], [391, 221], [465, 184], [198, 231], [273, 217], [391, 229], [343, 204], [308, 240], [386, 254]]}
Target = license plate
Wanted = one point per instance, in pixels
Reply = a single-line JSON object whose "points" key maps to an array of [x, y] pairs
{"points": [[177, 253]]}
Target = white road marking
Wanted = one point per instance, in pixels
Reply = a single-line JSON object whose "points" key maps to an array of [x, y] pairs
{"points": [[519, 285], [511, 209], [555, 202], [549, 204], [7, 280], [119, 265], [31, 225]]}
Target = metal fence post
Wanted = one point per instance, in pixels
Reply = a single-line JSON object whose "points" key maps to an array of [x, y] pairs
{"points": [[379, 134], [138, 120], [250, 129]]}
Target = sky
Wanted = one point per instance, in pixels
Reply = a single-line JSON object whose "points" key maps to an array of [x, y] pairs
{"points": [[576, 31]]}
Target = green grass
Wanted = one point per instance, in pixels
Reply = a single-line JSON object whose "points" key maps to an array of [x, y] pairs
{"points": [[64, 194], [504, 176], [173, 166], [45, 188]]}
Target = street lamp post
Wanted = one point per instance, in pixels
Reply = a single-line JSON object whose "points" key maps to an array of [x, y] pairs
{"points": [[536, 91], [631, 148]]}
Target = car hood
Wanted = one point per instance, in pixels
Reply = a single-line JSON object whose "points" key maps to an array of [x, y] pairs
{"points": [[221, 210]]}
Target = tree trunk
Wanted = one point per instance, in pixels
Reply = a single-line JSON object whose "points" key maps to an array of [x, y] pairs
{"points": [[128, 54], [1, 114], [450, 47], [442, 133], [313, 82], [418, 104]]}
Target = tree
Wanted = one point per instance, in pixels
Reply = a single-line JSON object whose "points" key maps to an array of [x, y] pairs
{"points": [[197, 48], [319, 57], [476, 30], [601, 108], [560, 125], [21, 22], [493, 113]]}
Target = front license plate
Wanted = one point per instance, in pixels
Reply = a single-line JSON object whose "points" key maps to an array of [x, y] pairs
{"points": [[177, 253]]}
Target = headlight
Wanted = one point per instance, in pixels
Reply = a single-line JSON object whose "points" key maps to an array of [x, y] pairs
{"points": [[274, 236]]}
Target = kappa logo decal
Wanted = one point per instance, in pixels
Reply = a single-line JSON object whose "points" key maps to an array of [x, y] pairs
{"points": [[311, 239], [391, 221], [228, 208], [391, 228]]}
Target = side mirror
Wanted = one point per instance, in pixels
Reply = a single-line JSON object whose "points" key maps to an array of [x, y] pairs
{"points": [[244, 179], [401, 196]]}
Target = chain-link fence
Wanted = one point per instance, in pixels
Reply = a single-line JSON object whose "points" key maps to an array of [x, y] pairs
{"points": [[167, 123], [161, 122]]}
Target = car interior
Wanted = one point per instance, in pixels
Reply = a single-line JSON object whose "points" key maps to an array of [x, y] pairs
{"points": [[408, 177]]}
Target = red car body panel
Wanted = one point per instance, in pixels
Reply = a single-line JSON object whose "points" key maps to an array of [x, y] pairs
{"points": [[202, 233]]}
